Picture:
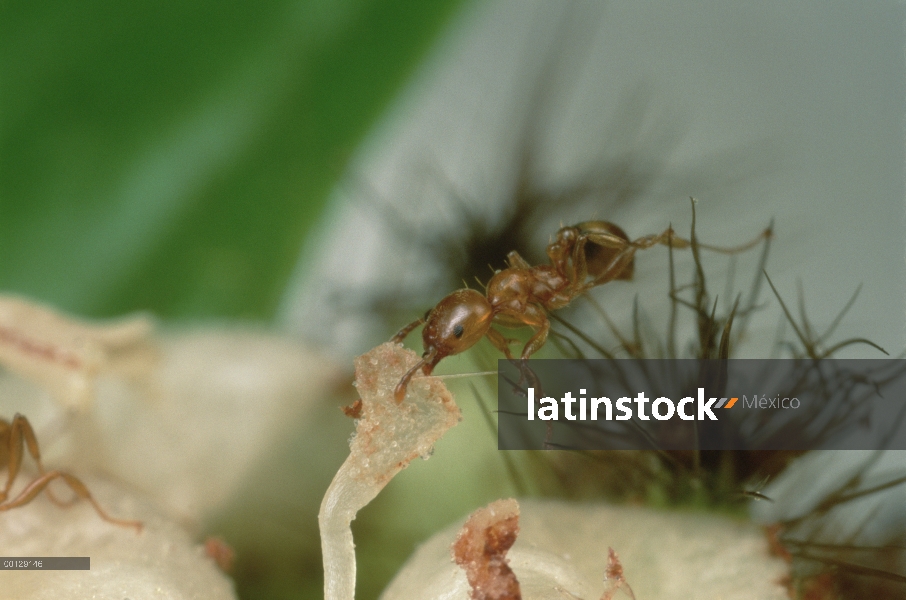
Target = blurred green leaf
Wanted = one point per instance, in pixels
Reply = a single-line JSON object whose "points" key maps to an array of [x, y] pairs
{"points": [[173, 156]]}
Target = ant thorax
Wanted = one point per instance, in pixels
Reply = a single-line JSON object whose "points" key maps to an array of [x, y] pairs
{"points": [[511, 291]]}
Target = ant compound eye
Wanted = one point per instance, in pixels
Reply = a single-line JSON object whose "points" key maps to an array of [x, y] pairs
{"points": [[457, 322]]}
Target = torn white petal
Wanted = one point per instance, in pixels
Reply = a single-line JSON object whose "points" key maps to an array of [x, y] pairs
{"points": [[562, 552]]}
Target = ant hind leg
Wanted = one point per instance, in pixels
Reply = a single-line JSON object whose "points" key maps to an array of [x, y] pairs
{"points": [[606, 257], [621, 266], [669, 238]]}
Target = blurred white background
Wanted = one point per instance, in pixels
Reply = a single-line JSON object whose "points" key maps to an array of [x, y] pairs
{"points": [[758, 110]]}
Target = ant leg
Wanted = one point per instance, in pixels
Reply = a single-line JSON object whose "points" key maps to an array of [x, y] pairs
{"points": [[622, 262], [607, 259], [525, 374], [18, 432], [610, 241], [764, 235], [22, 427], [399, 392], [619, 267], [405, 331], [426, 364], [535, 317], [4, 452], [38, 485], [14, 444], [503, 344], [578, 271], [500, 342], [669, 238]]}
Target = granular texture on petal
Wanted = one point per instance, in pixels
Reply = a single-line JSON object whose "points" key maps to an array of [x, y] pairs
{"points": [[389, 435]]}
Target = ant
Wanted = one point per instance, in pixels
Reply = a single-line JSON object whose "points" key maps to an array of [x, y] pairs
{"points": [[13, 438], [581, 257]]}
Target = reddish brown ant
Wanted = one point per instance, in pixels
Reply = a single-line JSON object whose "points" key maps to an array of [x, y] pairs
{"points": [[13, 438], [582, 256]]}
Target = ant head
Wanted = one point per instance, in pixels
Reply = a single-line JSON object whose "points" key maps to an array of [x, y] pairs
{"points": [[456, 324]]}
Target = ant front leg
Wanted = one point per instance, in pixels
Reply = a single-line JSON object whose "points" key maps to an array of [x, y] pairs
{"points": [[426, 365], [405, 331], [500, 342]]}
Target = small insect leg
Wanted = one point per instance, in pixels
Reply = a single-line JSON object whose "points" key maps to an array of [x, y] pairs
{"points": [[38, 485], [614, 262], [426, 365], [18, 432], [14, 434], [405, 331], [669, 238], [534, 317], [500, 342]]}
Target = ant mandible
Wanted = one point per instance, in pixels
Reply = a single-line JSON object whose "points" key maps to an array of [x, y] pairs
{"points": [[13, 438], [581, 257]]}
